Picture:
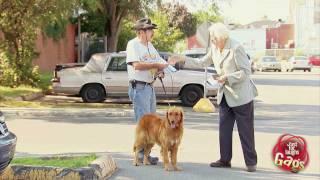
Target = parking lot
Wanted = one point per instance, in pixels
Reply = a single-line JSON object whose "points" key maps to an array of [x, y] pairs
{"points": [[287, 103]]}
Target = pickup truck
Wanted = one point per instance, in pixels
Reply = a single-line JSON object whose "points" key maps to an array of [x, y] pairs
{"points": [[105, 75]]}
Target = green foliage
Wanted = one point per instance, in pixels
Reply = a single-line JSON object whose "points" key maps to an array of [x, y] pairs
{"points": [[126, 34], [93, 23], [56, 29], [165, 37], [210, 15], [178, 16], [7, 92], [106, 16], [19, 23]]}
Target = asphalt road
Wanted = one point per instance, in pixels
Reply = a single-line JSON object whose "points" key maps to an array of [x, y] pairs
{"points": [[287, 103]]}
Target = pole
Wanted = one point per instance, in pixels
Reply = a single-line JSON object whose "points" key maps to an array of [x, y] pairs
{"points": [[79, 38]]}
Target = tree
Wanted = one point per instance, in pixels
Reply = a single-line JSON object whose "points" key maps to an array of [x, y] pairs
{"points": [[180, 17], [19, 23], [211, 15], [165, 37], [126, 34], [113, 13]]}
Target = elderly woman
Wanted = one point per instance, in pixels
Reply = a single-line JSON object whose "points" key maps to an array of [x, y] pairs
{"points": [[235, 95]]}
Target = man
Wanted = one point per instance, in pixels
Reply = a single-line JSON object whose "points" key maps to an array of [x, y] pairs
{"points": [[235, 95], [144, 65]]}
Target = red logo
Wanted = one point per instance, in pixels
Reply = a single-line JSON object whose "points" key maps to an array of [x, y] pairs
{"points": [[290, 153]]}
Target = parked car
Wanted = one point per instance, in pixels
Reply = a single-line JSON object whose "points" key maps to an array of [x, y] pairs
{"points": [[314, 60], [195, 52], [8, 142], [268, 63], [105, 75], [252, 64], [298, 63]]}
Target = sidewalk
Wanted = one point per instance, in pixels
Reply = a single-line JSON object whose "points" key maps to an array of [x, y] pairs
{"points": [[56, 131]]}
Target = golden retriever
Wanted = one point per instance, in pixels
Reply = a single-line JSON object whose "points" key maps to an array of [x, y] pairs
{"points": [[167, 133]]}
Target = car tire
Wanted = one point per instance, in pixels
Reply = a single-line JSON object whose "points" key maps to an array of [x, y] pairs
{"points": [[93, 93], [191, 94]]}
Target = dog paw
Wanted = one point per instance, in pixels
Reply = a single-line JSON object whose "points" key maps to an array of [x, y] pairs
{"points": [[135, 163], [167, 168], [177, 168], [146, 162]]}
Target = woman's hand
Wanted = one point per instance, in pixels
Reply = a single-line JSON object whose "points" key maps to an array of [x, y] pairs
{"points": [[222, 79], [175, 59]]}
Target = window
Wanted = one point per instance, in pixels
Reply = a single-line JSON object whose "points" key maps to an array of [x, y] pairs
{"points": [[117, 64], [269, 59]]}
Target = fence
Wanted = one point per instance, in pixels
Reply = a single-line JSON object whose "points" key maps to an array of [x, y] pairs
{"points": [[89, 46]]}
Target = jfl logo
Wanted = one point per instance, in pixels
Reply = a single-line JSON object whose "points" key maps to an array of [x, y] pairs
{"points": [[290, 153]]}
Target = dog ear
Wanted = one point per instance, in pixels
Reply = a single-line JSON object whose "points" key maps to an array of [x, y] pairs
{"points": [[167, 115]]}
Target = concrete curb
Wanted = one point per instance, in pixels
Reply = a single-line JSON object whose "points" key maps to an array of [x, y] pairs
{"points": [[101, 168], [28, 97], [104, 166], [32, 96]]}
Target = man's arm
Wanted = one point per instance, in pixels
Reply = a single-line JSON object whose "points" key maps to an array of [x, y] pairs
{"points": [[138, 65]]}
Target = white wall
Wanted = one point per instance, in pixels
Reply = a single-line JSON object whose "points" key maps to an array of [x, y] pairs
{"points": [[253, 40]]}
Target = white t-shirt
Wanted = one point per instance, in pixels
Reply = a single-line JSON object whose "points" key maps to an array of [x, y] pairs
{"points": [[136, 51]]}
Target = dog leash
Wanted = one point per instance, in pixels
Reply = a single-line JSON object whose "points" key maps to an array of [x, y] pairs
{"points": [[164, 89]]}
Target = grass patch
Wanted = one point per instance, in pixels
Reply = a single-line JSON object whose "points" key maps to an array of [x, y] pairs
{"points": [[8, 92], [44, 85], [38, 104], [65, 162]]}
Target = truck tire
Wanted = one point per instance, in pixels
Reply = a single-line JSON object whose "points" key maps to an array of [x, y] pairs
{"points": [[93, 93], [191, 94]]}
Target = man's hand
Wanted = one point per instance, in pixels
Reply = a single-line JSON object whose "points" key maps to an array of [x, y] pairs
{"points": [[162, 66], [161, 74]]}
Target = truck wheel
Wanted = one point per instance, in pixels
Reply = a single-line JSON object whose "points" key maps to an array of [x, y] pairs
{"points": [[191, 94], [93, 93]]}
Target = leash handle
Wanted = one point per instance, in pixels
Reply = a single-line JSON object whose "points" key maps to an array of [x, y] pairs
{"points": [[164, 89]]}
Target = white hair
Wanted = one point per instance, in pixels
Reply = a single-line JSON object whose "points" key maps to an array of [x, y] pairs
{"points": [[219, 30]]}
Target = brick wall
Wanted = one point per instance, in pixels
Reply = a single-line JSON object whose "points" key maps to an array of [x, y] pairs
{"points": [[54, 52], [280, 35]]}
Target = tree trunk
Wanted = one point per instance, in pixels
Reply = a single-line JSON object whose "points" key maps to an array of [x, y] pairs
{"points": [[113, 37]]}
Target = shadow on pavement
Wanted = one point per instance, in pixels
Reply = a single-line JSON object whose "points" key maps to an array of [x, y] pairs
{"points": [[197, 171], [269, 118], [287, 82]]}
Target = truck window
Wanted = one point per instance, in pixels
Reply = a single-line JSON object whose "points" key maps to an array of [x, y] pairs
{"points": [[117, 64]]}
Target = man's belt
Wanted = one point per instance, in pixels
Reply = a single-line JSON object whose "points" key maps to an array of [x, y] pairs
{"points": [[135, 82]]}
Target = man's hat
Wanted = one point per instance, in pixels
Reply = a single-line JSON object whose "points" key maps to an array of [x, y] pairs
{"points": [[144, 23]]}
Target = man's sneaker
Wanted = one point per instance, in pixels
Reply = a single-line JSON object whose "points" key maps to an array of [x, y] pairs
{"points": [[220, 164], [251, 168], [152, 160]]}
